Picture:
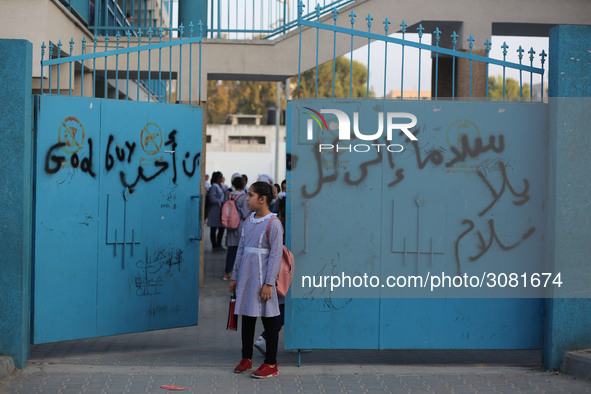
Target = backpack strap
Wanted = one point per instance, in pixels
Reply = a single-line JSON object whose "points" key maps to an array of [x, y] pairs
{"points": [[268, 227]]}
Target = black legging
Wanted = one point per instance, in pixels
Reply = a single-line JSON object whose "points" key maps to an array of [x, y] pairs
{"points": [[216, 241], [248, 326]]}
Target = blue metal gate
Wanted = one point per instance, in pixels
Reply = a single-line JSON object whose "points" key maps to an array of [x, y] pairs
{"points": [[385, 195], [465, 198], [117, 224]]}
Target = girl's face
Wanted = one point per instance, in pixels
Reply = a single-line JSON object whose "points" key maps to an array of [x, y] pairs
{"points": [[254, 202]]}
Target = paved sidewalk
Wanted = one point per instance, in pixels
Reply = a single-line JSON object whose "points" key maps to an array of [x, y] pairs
{"points": [[201, 360]]}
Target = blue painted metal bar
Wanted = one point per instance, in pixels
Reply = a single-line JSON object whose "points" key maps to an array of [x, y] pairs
{"points": [[82, 68], [436, 49], [200, 34], [386, 27], [420, 30], [106, 50], [160, 34], [369, 19], [520, 55], [505, 47], [300, 10], [123, 51], [59, 54], [317, 41], [41, 63], [437, 33], [139, 43], [487, 45], [150, 33], [352, 15], [180, 78], [190, 61], [471, 45], [334, 46], [128, 34], [94, 55], [403, 25], [542, 60], [70, 76], [118, 36], [170, 66], [454, 41]]}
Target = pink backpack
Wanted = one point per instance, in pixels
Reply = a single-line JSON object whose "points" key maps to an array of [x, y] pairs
{"points": [[230, 215], [286, 271]]}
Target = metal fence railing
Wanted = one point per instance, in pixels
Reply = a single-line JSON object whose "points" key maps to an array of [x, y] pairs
{"points": [[141, 69], [237, 19], [340, 32]]}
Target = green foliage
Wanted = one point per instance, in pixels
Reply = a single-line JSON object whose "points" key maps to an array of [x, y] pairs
{"points": [[342, 71], [495, 88], [254, 97]]}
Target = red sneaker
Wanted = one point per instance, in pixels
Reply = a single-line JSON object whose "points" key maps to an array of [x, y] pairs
{"points": [[265, 371], [244, 366]]}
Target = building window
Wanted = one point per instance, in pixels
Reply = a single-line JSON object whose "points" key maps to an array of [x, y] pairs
{"points": [[208, 139], [247, 139]]}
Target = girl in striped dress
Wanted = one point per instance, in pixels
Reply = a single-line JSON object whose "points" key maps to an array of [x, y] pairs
{"points": [[257, 265]]}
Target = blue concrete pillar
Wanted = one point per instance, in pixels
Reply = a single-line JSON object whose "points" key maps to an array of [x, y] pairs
{"points": [[16, 174], [193, 11], [567, 324]]}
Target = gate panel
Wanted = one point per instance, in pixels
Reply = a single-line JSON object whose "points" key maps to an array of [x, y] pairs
{"points": [[66, 218], [466, 198], [116, 222], [148, 270]]}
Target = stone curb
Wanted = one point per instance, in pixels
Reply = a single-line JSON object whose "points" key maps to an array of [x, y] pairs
{"points": [[6, 366], [578, 364]]}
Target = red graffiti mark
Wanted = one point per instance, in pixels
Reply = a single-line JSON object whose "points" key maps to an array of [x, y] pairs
{"points": [[151, 138], [71, 133]]}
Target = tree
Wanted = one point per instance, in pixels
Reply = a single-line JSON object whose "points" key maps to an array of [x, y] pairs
{"points": [[254, 97], [342, 71], [495, 88]]}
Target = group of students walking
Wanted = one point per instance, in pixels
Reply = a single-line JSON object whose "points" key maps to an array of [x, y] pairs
{"points": [[253, 260]]}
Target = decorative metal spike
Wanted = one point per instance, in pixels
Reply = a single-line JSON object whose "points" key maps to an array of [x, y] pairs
{"points": [[71, 45], [404, 26], [543, 55], [471, 41], [318, 8], [420, 29], [43, 49], [191, 28], [352, 15], [150, 33], [181, 30], [335, 14], [531, 54], [300, 8], [454, 38], [128, 34], [386, 23], [505, 47], [369, 19], [437, 33], [520, 52], [487, 44], [200, 24]]}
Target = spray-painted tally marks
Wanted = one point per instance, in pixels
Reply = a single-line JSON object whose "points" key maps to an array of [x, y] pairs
{"points": [[484, 246]]}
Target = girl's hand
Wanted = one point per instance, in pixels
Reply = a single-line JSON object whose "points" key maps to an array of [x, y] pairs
{"points": [[232, 286], [266, 292]]}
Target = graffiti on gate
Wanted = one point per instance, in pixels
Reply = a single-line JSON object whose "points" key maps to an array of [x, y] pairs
{"points": [[155, 268], [434, 156], [520, 198], [67, 151], [452, 159]]}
